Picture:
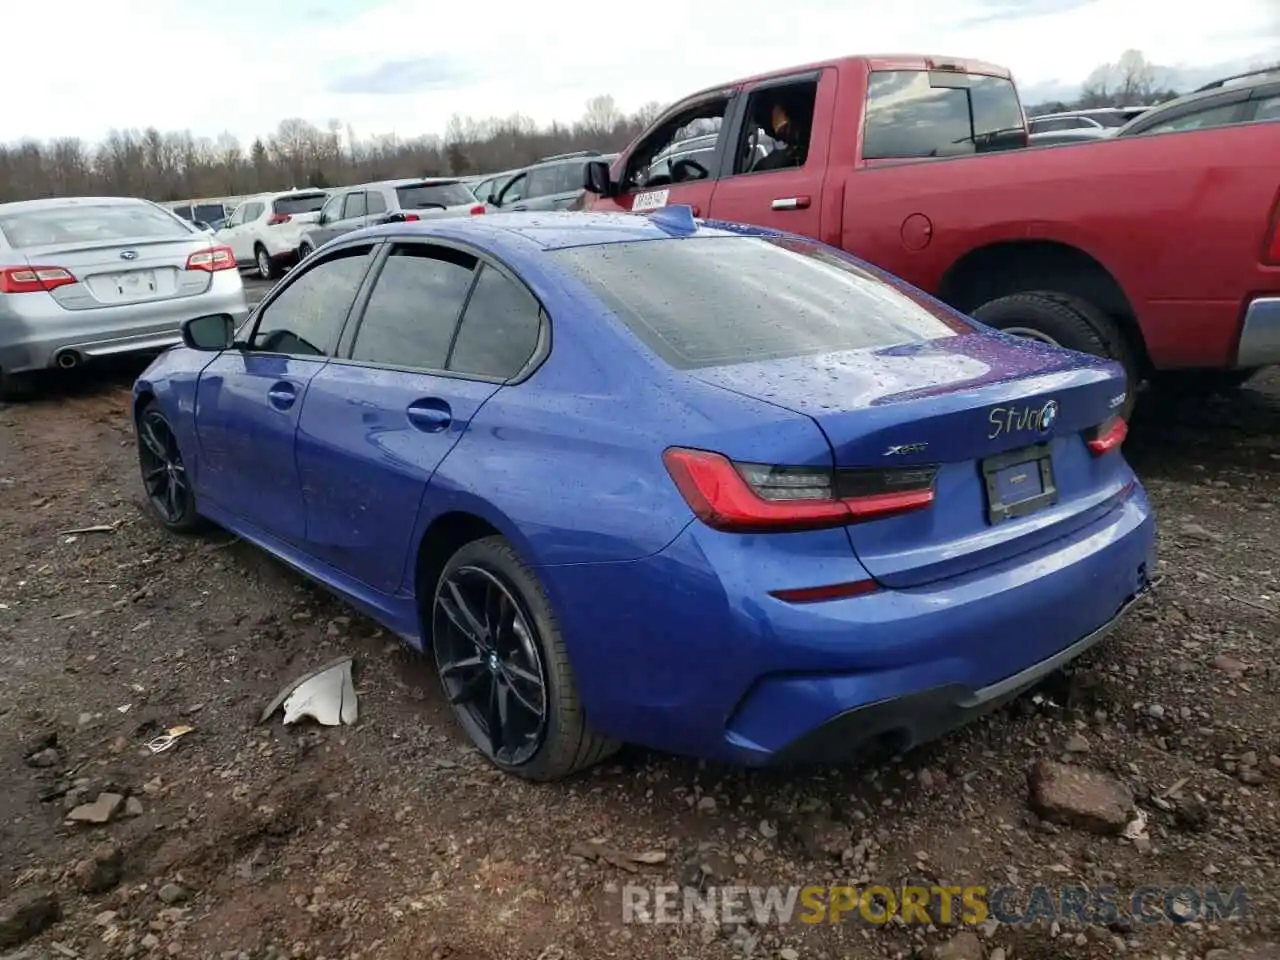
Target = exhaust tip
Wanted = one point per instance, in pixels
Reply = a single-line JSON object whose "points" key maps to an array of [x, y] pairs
{"points": [[67, 359]]}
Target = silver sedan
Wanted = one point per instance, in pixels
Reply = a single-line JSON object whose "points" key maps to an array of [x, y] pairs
{"points": [[89, 277]]}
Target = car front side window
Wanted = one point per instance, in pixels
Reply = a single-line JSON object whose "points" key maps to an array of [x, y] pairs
{"points": [[306, 317], [413, 309]]}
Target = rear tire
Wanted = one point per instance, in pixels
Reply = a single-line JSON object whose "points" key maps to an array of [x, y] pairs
{"points": [[1064, 321], [305, 250], [266, 269], [16, 387], [564, 742]]}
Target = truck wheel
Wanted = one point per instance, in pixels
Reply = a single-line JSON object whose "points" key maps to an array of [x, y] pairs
{"points": [[1061, 320]]}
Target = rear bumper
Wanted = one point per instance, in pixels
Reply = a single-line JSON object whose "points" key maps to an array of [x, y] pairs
{"points": [[34, 340], [686, 652], [1260, 334], [928, 714]]}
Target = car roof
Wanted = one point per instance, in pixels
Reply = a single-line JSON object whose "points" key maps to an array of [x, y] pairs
{"points": [[513, 233], [54, 203]]}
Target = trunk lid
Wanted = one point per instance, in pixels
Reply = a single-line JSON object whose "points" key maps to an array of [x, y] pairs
{"points": [[1005, 422], [122, 272]]}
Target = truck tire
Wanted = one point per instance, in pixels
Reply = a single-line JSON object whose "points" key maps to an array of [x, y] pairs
{"points": [[1064, 321]]}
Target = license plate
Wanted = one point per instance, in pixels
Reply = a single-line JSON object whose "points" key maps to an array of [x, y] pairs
{"points": [[1019, 482], [135, 282]]}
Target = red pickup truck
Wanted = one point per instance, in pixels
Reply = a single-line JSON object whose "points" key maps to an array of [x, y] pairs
{"points": [[1160, 251]]}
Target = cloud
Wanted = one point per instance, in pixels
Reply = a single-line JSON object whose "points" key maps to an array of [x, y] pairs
{"points": [[405, 76], [393, 66]]}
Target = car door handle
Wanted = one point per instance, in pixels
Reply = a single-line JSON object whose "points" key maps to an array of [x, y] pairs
{"points": [[282, 395], [429, 416], [790, 203]]}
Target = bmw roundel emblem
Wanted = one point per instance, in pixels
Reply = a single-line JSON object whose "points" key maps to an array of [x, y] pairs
{"points": [[1048, 414], [128, 254]]}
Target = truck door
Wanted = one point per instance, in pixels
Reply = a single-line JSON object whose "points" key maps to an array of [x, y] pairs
{"points": [[659, 172], [776, 180]]}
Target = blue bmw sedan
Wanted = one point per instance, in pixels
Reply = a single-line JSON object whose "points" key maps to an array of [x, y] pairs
{"points": [[711, 489]]}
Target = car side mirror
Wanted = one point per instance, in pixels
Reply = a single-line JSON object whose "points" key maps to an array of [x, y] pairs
{"points": [[595, 178], [210, 333]]}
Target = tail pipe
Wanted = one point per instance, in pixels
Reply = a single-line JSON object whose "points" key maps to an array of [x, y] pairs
{"points": [[66, 359]]}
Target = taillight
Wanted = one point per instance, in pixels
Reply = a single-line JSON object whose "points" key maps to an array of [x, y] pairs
{"points": [[477, 209], [34, 279], [1108, 436], [213, 259], [752, 497], [278, 218], [411, 217]]}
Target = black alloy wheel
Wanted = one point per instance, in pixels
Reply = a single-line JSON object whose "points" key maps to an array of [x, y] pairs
{"points": [[490, 661], [164, 474]]}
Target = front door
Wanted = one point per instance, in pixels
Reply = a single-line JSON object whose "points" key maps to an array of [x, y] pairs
{"points": [[248, 401], [777, 183], [650, 180], [379, 421]]}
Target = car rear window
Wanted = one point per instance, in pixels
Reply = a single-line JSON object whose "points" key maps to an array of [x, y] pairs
{"points": [[299, 203], [428, 195], [914, 113], [700, 302], [208, 212], [90, 223]]}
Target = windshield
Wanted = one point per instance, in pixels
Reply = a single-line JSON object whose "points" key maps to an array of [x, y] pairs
{"points": [[83, 223], [299, 203], [426, 195], [707, 301], [913, 113]]}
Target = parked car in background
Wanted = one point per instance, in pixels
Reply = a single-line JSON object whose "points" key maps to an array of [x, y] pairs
{"points": [[389, 201], [1096, 118], [553, 183], [487, 187], [830, 512], [265, 230], [89, 277], [917, 165], [1060, 137], [207, 211], [1248, 98]]}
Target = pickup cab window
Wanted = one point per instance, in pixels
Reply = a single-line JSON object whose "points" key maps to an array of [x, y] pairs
{"points": [[650, 164], [915, 113], [778, 128]]}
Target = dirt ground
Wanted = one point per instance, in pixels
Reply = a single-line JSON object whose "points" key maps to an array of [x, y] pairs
{"points": [[392, 839]]}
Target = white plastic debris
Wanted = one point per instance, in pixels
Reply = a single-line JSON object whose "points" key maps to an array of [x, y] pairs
{"points": [[1136, 829], [327, 695]]}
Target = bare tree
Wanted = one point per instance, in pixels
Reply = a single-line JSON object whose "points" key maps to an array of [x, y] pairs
{"points": [[175, 165]]}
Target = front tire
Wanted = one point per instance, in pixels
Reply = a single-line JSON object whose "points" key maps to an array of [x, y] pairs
{"points": [[504, 668], [305, 250], [1061, 320], [266, 269], [170, 498]]}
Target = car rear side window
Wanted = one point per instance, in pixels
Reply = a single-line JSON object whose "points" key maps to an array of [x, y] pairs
{"points": [[413, 310], [1200, 120], [499, 329], [307, 316], [299, 203], [914, 113], [427, 195], [90, 223], [709, 301], [353, 206], [375, 202]]}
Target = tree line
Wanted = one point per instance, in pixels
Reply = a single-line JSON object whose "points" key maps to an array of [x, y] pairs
{"points": [[166, 166]]}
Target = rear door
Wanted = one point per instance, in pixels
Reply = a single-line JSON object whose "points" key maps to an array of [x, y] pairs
{"points": [[109, 254], [248, 401], [788, 198], [378, 421]]}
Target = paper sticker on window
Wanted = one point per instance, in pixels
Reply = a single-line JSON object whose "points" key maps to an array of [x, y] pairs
{"points": [[653, 200]]}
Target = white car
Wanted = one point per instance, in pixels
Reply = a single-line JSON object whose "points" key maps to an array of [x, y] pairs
{"points": [[265, 231]]}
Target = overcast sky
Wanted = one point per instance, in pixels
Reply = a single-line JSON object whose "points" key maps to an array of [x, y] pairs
{"points": [[405, 66]]}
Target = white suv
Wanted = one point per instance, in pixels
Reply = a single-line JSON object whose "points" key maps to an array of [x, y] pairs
{"points": [[265, 231]]}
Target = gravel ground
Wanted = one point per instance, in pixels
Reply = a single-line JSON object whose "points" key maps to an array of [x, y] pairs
{"points": [[392, 839]]}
